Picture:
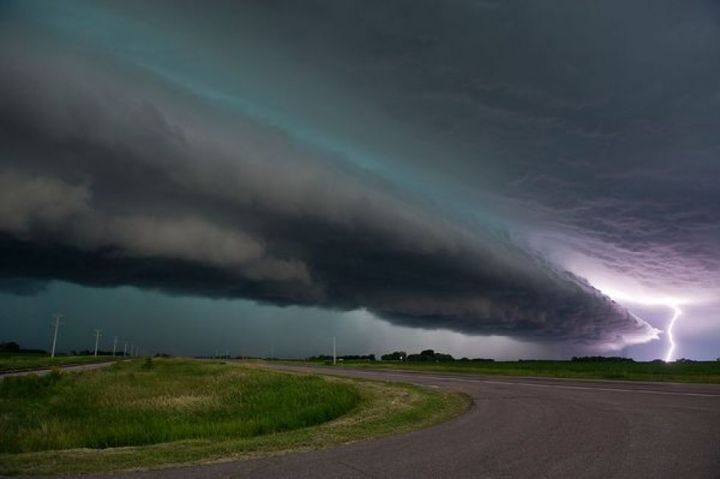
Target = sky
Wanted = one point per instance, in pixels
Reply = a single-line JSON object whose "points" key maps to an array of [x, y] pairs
{"points": [[505, 179]]}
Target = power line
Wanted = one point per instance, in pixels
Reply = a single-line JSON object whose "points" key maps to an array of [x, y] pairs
{"points": [[97, 340], [56, 320]]}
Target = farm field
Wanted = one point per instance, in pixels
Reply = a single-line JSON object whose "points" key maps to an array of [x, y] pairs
{"points": [[690, 371]]}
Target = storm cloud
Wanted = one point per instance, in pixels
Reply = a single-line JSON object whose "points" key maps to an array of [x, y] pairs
{"points": [[449, 165]]}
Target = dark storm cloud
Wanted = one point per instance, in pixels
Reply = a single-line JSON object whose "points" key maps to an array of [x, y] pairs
{"points": [[106, 185], [587, 124], [598, 118]]}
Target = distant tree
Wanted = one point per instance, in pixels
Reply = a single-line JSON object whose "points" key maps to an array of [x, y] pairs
{"points": [[13, 347], [9, 347], [602, 359], [394, 356], [430, 355], [443, 357]]}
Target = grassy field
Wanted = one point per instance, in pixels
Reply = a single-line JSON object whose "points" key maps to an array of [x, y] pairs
{"points": [[21, 361], [144, 414], [694, 372]]}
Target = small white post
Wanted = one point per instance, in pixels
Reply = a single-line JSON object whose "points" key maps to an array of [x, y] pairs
{"points": [[334, 353], [97, 340], [114, 345], [125, 349]]}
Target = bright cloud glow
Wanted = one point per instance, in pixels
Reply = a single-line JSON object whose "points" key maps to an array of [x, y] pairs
{"points": [[633, 296]]}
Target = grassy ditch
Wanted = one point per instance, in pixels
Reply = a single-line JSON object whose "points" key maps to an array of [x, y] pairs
{"points": [[141, 414]]}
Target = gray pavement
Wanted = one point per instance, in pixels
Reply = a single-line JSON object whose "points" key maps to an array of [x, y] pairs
{"points": [[521, 428]]}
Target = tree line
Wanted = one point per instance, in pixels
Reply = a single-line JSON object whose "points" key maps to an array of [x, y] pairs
{"points": [[428, 355]]}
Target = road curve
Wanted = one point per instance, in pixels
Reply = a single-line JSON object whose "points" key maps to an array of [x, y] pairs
{"points": [[520, 428]]}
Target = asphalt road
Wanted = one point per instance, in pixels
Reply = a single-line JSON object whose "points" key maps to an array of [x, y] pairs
{"points": [[521, 428]]}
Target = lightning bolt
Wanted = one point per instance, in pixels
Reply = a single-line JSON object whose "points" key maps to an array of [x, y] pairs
{"points": [[671, 340]]}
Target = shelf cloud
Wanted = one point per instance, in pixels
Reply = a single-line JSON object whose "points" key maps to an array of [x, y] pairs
{"points": [[438, 172]]}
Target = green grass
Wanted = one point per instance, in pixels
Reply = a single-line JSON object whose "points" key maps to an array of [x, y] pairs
{"points": [[22, 361], [692, 372], [134, 414], [141, 403]]}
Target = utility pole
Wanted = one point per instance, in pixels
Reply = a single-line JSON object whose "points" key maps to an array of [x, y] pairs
{"points": [[56, 321], [114, 345], [125, 349], [334, 353], [97, 340]]}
